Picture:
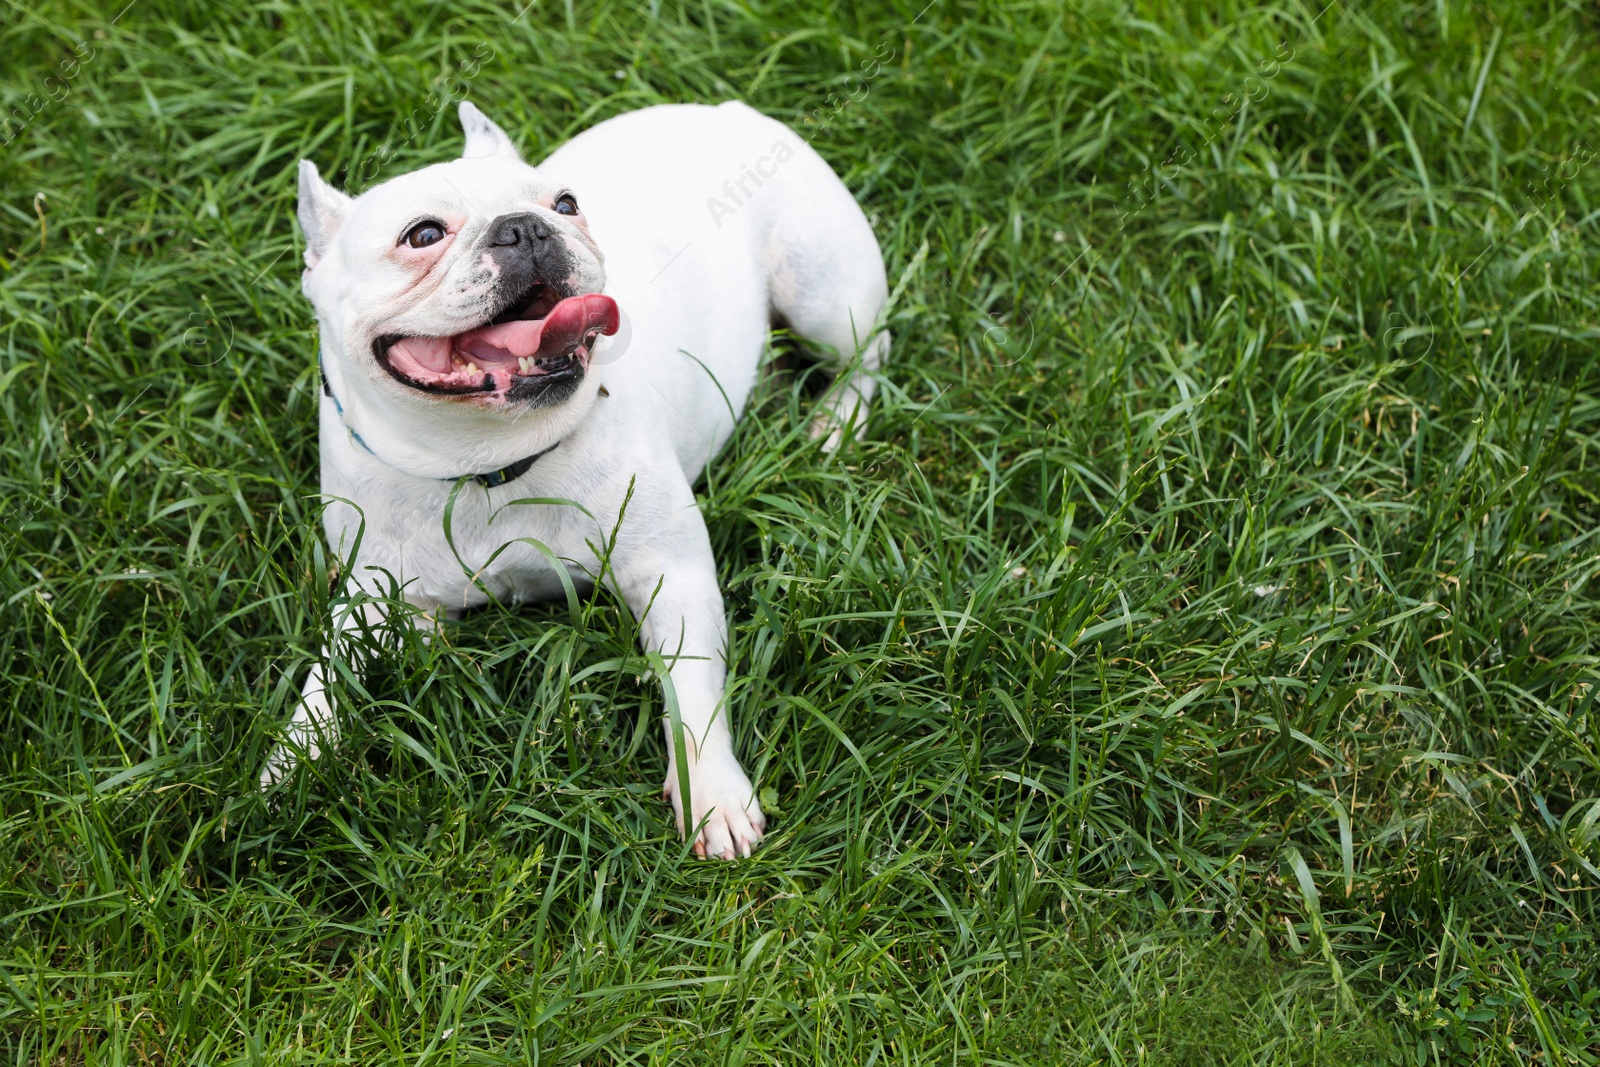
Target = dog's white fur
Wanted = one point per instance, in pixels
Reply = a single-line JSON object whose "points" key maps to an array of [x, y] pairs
{"points": [[706, 225]]}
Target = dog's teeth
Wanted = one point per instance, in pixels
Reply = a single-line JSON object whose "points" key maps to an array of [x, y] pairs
{"points": [[524, 364], [475, 368]]}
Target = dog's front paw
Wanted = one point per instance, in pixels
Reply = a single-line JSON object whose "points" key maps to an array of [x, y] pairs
{"points": [[312, 728], [723, 805], [279, 764], [286, 757]]}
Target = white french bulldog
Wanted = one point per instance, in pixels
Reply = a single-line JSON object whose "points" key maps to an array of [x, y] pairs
{"points": [[466, 314]]}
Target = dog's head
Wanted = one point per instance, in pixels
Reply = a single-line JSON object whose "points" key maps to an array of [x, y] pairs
{"points": [[472, 284]]}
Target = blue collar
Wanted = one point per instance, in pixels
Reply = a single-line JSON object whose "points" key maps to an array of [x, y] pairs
{"points": [[488, 480]]}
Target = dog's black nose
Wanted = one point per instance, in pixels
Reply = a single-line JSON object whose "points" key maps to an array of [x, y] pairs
{"points": [[510, 230]]}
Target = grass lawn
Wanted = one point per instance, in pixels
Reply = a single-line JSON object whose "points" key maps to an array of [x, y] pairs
{"points": [[1199, 662]]}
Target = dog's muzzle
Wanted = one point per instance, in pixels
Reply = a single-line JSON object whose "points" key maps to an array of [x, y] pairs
{"points": [[535, 348], [520, 356]]}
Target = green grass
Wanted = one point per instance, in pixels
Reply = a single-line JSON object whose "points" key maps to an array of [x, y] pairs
{"points": [[1199, 662]]}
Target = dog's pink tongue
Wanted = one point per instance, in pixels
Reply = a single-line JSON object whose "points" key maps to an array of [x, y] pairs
{"points": [[557, 333]]}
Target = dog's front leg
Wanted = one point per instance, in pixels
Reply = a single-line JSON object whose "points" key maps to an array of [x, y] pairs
{"points": [[314, 727], [671, 587]]}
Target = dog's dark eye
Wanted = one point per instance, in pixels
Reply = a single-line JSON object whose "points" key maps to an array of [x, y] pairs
{"points": [[566, 204], [424, 234]]}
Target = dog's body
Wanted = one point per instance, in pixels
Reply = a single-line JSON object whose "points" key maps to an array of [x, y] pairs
{"points": [[704, 225]]}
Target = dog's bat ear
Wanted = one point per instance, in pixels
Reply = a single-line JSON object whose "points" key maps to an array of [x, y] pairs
{"points": [[321, 211], [484, 138]]}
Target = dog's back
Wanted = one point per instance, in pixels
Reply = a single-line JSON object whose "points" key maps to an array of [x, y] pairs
{"points": [[732, 200]]}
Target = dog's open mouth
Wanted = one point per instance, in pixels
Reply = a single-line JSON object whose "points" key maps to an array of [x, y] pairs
{"points": [[538, 341]]}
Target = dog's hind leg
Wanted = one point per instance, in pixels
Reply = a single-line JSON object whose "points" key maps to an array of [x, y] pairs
{"points": [[848, 402], [825, 279]]}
